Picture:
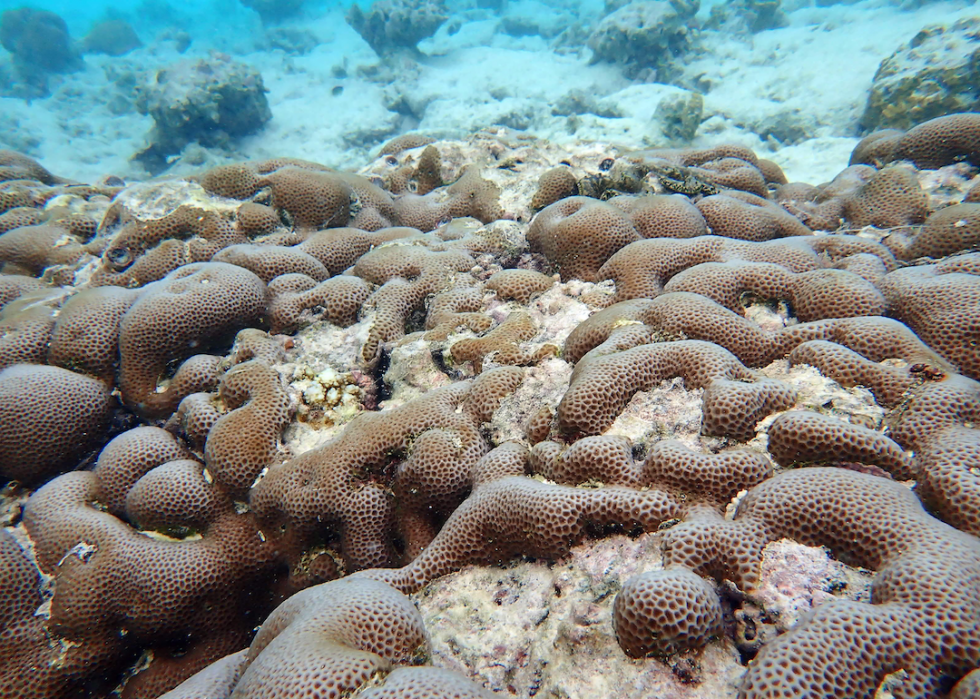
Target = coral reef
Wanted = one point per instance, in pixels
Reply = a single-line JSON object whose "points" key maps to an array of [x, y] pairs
{"points": [[491, 419]]}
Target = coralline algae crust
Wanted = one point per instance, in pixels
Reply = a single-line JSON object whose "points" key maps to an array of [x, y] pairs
{"points": [[538, 629]]}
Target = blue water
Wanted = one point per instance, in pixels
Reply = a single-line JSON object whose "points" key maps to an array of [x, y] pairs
{"points": [[213, 17]]}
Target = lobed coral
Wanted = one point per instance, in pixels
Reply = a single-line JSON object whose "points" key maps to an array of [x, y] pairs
{"points": [[932, 144], [900, 623], [949, 231], [664, 612], [191, 592], [578, 235], [554, 184], [337, 637], [37, 443], [709, 374], [166, 323]]}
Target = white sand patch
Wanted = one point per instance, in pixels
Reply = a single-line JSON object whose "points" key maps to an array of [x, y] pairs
{"points": [[337, 103], [814, 74]]}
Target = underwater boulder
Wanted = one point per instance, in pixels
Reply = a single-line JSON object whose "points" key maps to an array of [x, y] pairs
{"points": [[296, 42], [113, 37], [213, 102], [679, 115], [38, 38], [274, 11], [935, 74], [747, 16], [645, 36], [534, 18], [39, 44]]}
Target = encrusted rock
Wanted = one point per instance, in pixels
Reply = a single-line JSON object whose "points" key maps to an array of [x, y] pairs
{"points": [[213, 102], [935, 74], [644, 36]]}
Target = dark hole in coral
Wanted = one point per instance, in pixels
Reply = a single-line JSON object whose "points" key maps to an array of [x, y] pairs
{"points": [[119, 258], [179, 648], [686, 670], [416, 320], [383, 389], [440, 361], [596, 530], [836, 586], [639, 451], [398, 547], [946, 684], [337, 90]]}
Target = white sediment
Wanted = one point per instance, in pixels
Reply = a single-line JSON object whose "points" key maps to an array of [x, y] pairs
{"points": [[816, 73]]}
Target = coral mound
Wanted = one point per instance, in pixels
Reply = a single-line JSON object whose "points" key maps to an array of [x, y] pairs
{"points": [[212, 101], [39, 42], [115, 37], [37, 442], [666, 611]]}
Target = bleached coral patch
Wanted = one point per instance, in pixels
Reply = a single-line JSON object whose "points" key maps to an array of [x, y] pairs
{"points": [[534, 629]]}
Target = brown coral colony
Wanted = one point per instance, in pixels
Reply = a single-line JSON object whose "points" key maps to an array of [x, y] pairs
{"points": [[287, 406]]}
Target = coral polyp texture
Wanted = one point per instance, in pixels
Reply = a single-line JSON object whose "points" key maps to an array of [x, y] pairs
{"points": [[351, 635], [664, 612], [491, 417]]}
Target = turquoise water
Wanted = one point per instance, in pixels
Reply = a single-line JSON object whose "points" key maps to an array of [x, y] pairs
{"points": [[215, 18], [218, 18]]}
